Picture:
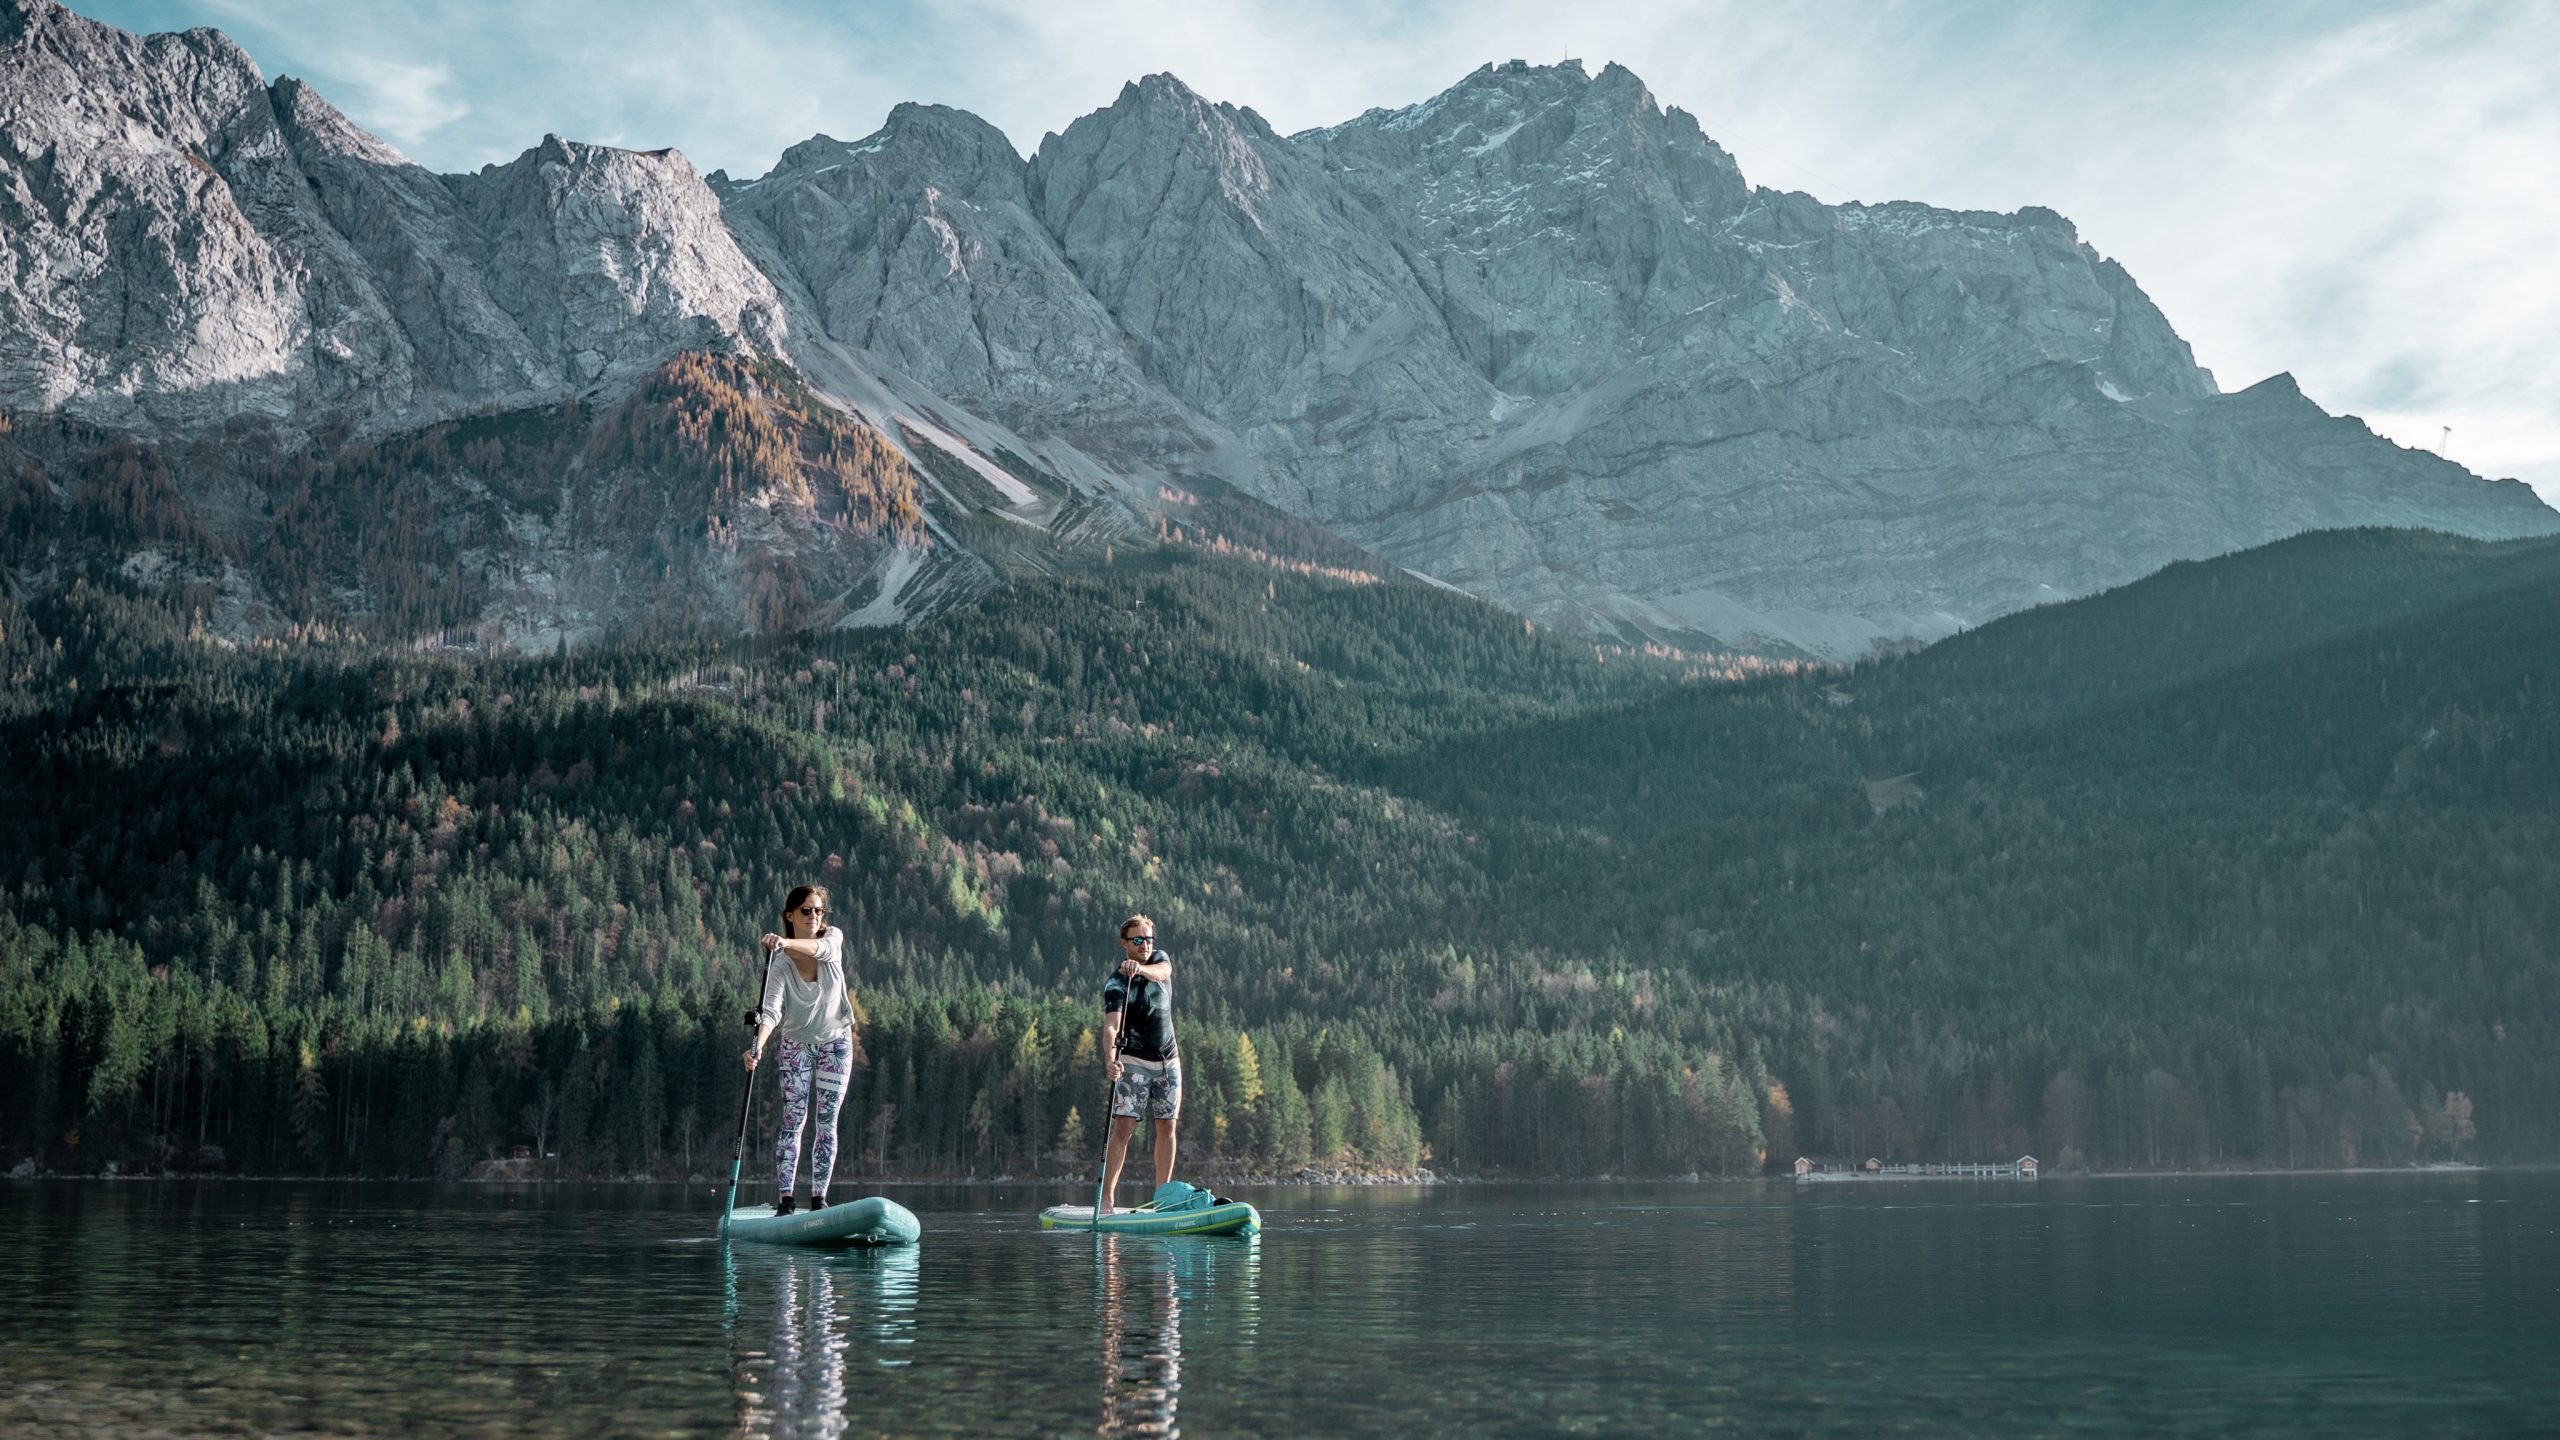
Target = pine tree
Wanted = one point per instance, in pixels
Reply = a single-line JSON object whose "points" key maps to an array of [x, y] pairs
{"points": [[310, 1112], [1248, 1075]]}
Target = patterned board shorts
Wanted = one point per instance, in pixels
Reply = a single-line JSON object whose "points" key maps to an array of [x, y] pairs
{"points": [[1143, 1092]]}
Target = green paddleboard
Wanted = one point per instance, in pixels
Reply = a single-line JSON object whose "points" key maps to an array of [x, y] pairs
{"points": [[872, 1220], [1229, 1217]]}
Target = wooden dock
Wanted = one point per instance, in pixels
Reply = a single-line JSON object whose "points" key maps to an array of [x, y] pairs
{"points": [[1809, 1170]]}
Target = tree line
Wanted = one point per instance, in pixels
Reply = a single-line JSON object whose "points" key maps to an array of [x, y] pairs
{"points": [[2120, 883]]}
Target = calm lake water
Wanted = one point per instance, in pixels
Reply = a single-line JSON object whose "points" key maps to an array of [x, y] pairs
{"points": [[2368, 1305]]}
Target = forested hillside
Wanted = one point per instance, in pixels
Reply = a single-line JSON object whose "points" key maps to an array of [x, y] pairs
{"points": [[2251, 862], [721, 495]]}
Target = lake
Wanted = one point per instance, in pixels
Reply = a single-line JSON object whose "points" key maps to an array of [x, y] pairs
{"points": [[2343, 1305]]}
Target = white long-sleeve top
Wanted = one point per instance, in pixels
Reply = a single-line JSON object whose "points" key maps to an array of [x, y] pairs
{"points": [[808, 1011]]}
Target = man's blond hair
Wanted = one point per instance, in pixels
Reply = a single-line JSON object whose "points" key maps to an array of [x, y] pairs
{"points": [[1135, 920]]}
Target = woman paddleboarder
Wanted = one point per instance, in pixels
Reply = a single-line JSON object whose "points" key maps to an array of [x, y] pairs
{"points": [[806, 997]]}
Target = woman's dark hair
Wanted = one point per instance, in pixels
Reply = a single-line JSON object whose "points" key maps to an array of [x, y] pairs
{"points": [[801, 895]]}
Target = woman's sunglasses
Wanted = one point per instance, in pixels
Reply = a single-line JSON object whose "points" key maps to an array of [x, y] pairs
{"points": [[812, 910]]}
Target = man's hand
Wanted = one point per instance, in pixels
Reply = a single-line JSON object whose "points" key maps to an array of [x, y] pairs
{"points": [[1116, 1068], [1128, 966]]}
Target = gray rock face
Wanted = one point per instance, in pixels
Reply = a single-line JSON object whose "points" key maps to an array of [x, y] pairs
{"points": [[1197, 227], [1550, 218], [181, 244], [1750, 417], [186, 250], [1535, 337], [609, 260], [919, 248], [421, 257], [156, 246]]}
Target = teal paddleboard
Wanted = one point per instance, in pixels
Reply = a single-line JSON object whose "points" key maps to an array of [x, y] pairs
{"points": [[872, 1220], [1229, 1217]]}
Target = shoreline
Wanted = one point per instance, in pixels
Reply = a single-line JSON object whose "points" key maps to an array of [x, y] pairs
{"points": [[1309, 1179], [2252, 1172], [1306, 1178]]}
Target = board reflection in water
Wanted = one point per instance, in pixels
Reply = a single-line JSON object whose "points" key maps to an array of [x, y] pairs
{"points": [[1145, 1291], [831, 1316]]}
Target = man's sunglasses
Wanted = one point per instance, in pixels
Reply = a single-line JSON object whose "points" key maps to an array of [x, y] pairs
{"points": [[1137, 939]]}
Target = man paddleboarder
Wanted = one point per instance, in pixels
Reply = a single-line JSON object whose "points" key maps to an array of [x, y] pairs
{"points": [[1137, 1033]]}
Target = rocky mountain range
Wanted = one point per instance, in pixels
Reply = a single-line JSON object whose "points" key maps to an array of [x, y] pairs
{"points": [[1536, 338]]}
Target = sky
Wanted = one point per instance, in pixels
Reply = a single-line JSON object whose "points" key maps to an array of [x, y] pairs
{"points": [[2364, 194]]}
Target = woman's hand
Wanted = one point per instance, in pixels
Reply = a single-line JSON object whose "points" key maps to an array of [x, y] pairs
{"points": [[772, 943], [751, 1056]]}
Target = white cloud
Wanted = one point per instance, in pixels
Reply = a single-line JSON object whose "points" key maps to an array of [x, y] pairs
{"points": [[2373, 209], [406, 102]]}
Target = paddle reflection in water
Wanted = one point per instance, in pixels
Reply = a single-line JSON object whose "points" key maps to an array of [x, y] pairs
{"points": [[832, 1311], [1144, 1290]]}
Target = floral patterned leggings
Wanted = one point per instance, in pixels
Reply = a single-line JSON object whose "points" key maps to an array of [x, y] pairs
{"points": [[823, 1067]]}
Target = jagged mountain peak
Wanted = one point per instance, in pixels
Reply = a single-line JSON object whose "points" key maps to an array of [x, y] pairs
{"points": [[1505, 127], [955, 146], [1165, 199], [1163, 101], [1163, 128], [311, 120], [1160, 89], [557, 150], [36, 25], [197, 246], [183, 85], [28, 21], [1510, 78], [920, 246], [820, 149], [916, 119], [1534, 336], [634, 257], [18, 17]]}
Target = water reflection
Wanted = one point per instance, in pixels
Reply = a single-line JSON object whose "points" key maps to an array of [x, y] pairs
{"points": [[2307, 1305], [832, 1313], [1143, 1289]]}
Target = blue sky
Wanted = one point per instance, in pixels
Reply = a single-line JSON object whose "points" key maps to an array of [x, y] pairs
{"points": [[2365, 194]]}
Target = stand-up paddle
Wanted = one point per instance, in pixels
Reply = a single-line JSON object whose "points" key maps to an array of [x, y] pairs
{"points": [[738, 1162], [1110, 1088]]}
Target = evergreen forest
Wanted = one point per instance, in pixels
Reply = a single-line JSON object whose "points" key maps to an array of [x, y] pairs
{"points": [[2255, 862]]}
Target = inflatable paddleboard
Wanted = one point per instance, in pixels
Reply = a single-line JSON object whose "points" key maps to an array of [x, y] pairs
{"points": [[1232, 1217], [869, 1221]]}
